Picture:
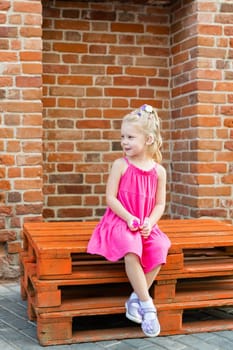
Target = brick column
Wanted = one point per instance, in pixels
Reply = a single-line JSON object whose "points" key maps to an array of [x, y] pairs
{"points": [[20, 125], [202, 157]]}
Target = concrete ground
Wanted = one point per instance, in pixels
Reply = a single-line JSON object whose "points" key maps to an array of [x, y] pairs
{"points": [[18, 333]]}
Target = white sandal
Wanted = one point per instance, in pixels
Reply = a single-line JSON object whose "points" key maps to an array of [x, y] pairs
{"points": [[133, 310], [151, 328]]}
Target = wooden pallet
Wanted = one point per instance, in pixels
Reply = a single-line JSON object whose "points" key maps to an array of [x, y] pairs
{"points": [[64, 285], [49, 292], [59, 248], [170, 315]]}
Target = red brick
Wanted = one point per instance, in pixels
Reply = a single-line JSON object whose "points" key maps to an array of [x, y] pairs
{"points": [[29, 133], [30, 56], [66, 91], [66, 47], [75, 80], [92, 178], [120, 92], [5, 185], [8, 32], [91, 201], [224, 18], [210, 97], [6, 81], [128, 50], [103, 38], [32, 68], [33, 196], [32, 119], [72, 25], [32, 172], [74, 212], [28, 81], [28, 209], [206, 41], [27, 184], [98, 59], [53, 35], [121, 102], [65, 102], [7, 235], [224, 156], [212, 53], [209, 168], [55, 68], [64, 200], [93, 124], [14, 247], [26, 6], [129, 81], [127, 27], [32, 94], [5, 5], [28, 160], [31, 31], [141, 71], [228, 145], [6, 133], [158, 29], [209, 74], [210, 29], [64, 157], [24, 106], [6, 159], [209, 145], [33, 44], [206, 121], [227, 179], [3, 18]]}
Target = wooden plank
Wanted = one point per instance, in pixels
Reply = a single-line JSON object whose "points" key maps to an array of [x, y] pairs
{"points": [[57, 327], [61, 282]]}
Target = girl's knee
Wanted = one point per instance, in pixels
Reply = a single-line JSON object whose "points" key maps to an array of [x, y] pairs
{"points": [[131, 258]]}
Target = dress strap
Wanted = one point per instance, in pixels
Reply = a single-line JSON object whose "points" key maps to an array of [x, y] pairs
{"points": [[127, 161]]}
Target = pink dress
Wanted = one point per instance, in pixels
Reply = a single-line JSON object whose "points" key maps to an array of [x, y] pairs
{"points": [[113, 239]]}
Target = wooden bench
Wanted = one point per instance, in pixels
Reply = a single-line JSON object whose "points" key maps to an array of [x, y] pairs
{"points": [[64, 286]]}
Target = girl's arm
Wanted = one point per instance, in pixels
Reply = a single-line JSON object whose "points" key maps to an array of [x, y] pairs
{"points": [[118, 168], [160, 202]]}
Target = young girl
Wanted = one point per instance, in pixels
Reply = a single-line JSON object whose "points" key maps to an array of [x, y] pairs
{"points": [[135, 194]]}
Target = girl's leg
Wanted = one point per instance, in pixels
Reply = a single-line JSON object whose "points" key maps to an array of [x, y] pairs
{"points": [[137, 277], [139, 281], [140, 284], [150, 276]]}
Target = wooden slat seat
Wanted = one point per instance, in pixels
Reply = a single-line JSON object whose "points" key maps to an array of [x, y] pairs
{"points": [[62, 283]]}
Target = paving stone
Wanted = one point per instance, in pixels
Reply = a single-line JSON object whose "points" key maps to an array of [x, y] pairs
{"points": [[221, 342], [4, 345], [168, 343], [18, 333], [196, 343]]}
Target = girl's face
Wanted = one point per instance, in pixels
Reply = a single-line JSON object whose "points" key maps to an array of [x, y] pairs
{"points": [[133, 141]]}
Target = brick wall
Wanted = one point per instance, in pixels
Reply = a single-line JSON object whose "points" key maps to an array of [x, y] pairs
{"points": [[20, 125], [101, 59], [201, 105]]}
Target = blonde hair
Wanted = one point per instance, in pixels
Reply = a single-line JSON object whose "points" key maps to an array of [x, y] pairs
{"points": [[148, 121]]}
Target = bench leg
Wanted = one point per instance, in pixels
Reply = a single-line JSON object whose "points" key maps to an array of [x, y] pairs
{"points": [[170, 320], [54, 330], [164, 291]]}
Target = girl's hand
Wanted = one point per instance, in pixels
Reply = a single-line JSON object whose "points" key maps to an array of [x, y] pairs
{"points": [[146, 228], [133, 223]]}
